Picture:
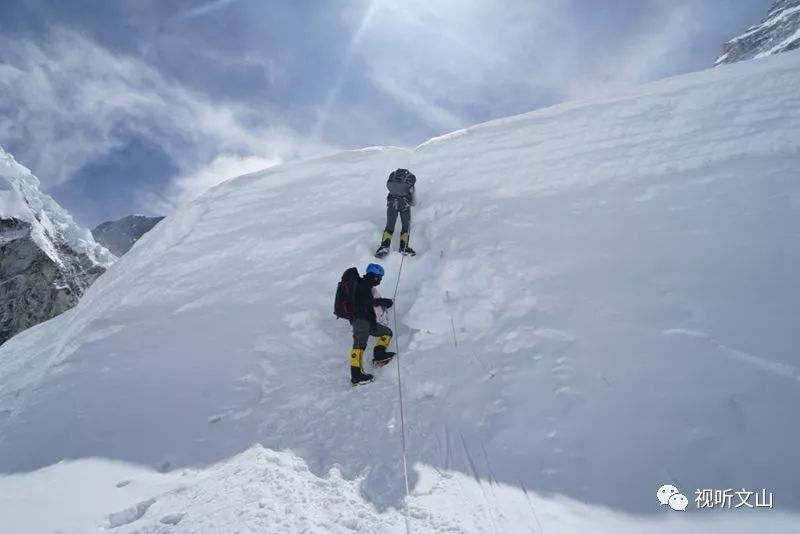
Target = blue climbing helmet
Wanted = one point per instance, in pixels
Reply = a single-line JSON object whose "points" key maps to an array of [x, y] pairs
{"points": [[374, 268]]}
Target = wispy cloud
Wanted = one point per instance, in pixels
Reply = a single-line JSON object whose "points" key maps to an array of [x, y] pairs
{"points": [[204, 9], [70, 101], [218, 170], [449, 60], [416, 102], [336, 88], [648, 54]]}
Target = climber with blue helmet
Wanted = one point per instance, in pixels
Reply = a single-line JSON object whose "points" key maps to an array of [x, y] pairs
{"points": [[368, 308], [376, 269]]}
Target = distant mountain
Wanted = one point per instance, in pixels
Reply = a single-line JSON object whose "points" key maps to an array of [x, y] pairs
{"points": [[46, 260], [120, 235], [779, 32]]}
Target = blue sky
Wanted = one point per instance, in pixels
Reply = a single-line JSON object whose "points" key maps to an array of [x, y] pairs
{"points": [[136, 106]]}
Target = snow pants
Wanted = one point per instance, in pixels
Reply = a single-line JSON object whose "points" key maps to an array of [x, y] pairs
{"points": [[391, 220], [362, 330]]}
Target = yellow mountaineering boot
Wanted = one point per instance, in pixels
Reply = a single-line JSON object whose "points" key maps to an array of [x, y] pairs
{"points": [[357, 376]]}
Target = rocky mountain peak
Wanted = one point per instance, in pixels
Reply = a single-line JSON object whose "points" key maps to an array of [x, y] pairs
{"points": [[120, 235], [778, 32], [47, 261]]}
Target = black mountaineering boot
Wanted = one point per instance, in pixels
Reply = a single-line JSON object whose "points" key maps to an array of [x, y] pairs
{"points": [[404, 248], [358, 378], [380, 355], [386, 242]]}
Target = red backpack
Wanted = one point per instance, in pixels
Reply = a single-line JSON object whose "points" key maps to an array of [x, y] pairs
{"points": [[344, 305]]}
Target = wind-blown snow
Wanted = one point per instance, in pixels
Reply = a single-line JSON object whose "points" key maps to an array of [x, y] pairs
{"points": [[603, 301], [20, 198]]}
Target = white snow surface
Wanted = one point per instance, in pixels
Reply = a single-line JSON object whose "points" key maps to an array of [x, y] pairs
{"points": [[21, 198], [604, 301], [265, 492]]}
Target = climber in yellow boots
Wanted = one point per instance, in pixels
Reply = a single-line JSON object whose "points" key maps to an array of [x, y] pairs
{"points": [[402, 196], [358, 301]]}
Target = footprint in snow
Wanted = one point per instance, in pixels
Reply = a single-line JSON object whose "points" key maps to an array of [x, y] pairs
{"points": [[129, 515], [172, 519]]}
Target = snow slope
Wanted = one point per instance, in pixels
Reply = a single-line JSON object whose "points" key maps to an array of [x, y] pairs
{"points": [[604, 301]]}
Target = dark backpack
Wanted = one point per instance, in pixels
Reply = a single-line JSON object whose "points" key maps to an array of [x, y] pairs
{"points": [[344, 306], [401, 183]]}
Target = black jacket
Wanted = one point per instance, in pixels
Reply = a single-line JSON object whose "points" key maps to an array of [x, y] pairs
{"points": [[366, 302]]}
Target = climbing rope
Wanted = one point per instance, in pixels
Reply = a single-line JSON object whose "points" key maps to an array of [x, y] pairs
{"points": [[403, 422], [400, 391]]}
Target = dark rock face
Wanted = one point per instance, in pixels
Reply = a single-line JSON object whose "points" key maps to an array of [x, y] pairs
{"points": [[34, 287], [120, 235], [779, 32]]}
